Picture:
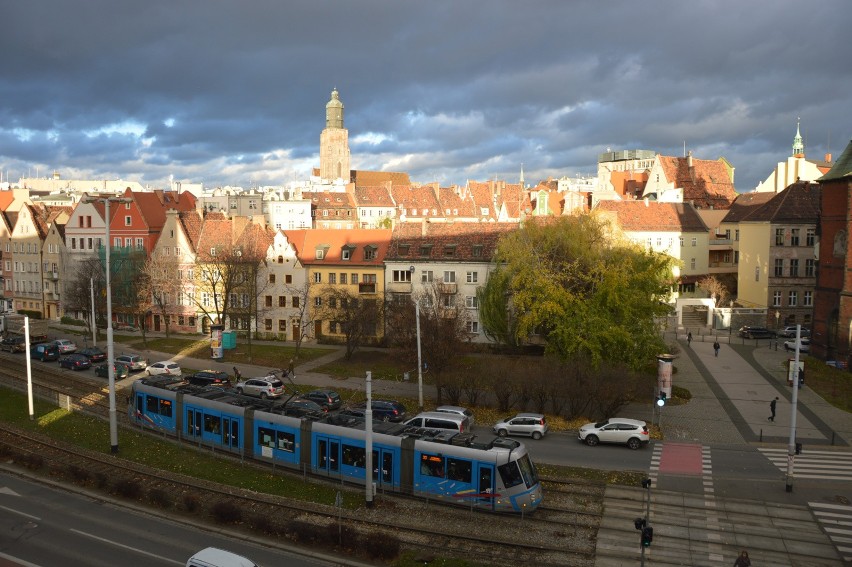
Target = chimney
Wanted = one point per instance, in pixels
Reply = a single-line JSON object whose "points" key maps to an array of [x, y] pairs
{"points": [[827, 158], [689, 159], [646, 201]]}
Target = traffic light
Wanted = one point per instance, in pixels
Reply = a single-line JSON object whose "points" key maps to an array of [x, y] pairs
{"points": [[639, 523], [661, 399], [647, 536]]}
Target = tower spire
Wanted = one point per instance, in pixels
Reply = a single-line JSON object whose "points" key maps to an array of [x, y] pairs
{"points": [[798, 145]]}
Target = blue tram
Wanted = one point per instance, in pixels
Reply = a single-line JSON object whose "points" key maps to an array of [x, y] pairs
{"points": [[457, 468]]}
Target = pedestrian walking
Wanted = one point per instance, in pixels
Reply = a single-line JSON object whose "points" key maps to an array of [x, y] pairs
{"points": [[716, 347], [743, 560], [801, 377], [772, 405], [237, 375], [689, 339]]}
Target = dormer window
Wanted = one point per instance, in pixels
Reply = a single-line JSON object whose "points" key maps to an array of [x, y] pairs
{"points": [[483, 211], [213, 252], [346, 252], [320, 253], [450, 250], [404, 249], [426, 250], [370, 252], [477, 250]]}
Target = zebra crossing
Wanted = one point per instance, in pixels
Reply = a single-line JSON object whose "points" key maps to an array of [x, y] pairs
{"points": [[813, 464], [836, 521]]}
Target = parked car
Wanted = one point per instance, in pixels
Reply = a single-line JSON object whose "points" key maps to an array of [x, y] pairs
{"points": [[265, 387], [94, 354], [214, 557], [75, 362], [804, 345], [385, 410], [458, 411], [14, 344], [756, 333], [790, 332], [353, 412], [65, 346], [300, 407], [532, 424], [329, 399], [210, 378], [133, 361], [44, 352], [121, 371], [440, 420], [167, 367], [630, 432]]}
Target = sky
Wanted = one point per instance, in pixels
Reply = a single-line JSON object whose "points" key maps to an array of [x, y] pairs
{"points": [[234, 93]]}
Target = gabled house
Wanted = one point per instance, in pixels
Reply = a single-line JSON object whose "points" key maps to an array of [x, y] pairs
{"points": [[375, 207], [333, 210], [28, 236], [350, 261], [7, 221], [777, 261], [53, 262], [706, 184], [674, 229], [284, 310]]}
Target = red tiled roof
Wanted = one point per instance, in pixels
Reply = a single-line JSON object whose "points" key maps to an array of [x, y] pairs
{"points": [[745, 204], [653, 216], [373, 196], [6, 198], [707, 184], [368, 178], [306, 243], [798, 203], [412, 201], [420, 241]]}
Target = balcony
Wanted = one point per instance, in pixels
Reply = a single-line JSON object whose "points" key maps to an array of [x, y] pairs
{"points": [[366, 288], [448, 288], [54, 276]]}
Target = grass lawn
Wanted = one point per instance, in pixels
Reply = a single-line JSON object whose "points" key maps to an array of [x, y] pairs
{"points": [[833, 384]]}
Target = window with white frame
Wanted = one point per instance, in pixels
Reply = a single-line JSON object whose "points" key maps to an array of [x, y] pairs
{"points": [[792, 298], [128, 220], [317, 277], [776, 299], [472, 277], [808, 299], [681, 241], [471, 302], [332, 278], [140, 243], [810, 268], [692, 263], [449, 277], [694, 241], [472, 327], [426, 276], [401, 276], [810, 237]]}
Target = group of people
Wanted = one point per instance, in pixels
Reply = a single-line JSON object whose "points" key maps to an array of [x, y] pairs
{"points": [[716, 345]]}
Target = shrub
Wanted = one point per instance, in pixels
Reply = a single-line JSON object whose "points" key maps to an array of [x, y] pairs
{"points": [[101, 480], [160, 497], [263, 523], [68, 320], [191, 502], [304, 532], [32, 461], [79, 475], [379, 546], [226, 512], [128, 488]]}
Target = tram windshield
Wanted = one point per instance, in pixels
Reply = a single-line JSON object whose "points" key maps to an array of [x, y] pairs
{"points": [[528, 470]]}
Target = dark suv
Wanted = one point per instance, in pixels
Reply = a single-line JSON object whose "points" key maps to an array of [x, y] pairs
{"points": [[210, 378], [14, 344], [756, 333], [327, 398], [386, 410]]}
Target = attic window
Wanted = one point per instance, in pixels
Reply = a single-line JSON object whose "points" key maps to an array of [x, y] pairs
{"points": [[426, 250], [477, 250], [404, 249], [483, 211], [450, 250], [213, 252], [370, 252], [321, 251]]}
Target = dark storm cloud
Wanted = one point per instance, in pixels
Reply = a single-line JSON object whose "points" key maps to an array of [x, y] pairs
{"points": [[229, 92]]}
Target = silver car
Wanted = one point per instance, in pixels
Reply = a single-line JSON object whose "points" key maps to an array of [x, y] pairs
{"points": [[133, 361], [530, 424], [630, 432], [456, 410], [265, 387]]}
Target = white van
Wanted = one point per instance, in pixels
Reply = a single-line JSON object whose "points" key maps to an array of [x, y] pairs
{"points": [[458, 411], [214, 557], [440, 420]]}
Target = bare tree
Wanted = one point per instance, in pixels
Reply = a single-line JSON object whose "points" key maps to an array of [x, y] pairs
{"points": [[356, 319], [714, 288], [161, 274], [216, 282], [77, 295], [301, 302]]}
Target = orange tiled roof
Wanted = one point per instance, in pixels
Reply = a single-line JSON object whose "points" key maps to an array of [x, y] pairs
{"points": [[707, 184], [373, 196], [373, 178], [415, 202], [6, 199], [654, 216], [306, 243]]}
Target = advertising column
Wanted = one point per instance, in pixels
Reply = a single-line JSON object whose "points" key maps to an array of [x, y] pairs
{"points": [[216, 349], [664, 373]]}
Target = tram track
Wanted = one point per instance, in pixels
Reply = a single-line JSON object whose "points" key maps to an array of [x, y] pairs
{"points": [[556, 537]]}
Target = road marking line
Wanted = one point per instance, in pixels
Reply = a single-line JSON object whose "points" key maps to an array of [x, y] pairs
{"points": [[121, 545], [36, 518]]}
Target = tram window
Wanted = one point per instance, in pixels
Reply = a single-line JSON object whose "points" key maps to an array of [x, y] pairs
{"points": [[152, 405], [528, 470], [459, 470], [212, 424], [286, 441], [510, 475], [354, 456], [266, 437], [432, 465], [166, 408]]}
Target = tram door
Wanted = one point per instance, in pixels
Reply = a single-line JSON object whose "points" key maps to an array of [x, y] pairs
{"points": [[383, 461], [486, 486], [230, 433], [193, 423], [327, 454]]}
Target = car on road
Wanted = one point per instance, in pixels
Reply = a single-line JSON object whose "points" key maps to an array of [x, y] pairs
{"points": [[804, 345], [167, 367], [440, 420], [13, 344], [464, 412], [65, 346], [94, 354], [756, 333], [790, 332], [385, 410], [121, 371], [215, 557], [530, 424], [44, 352], [630, 432], [133, 361], [300, 407], [265, 387], [210, 378], [75, 362], [329, 399]]}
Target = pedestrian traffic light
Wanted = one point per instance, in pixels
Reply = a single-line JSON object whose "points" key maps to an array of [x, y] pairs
{"points": [[647, 536], [661, 399]]}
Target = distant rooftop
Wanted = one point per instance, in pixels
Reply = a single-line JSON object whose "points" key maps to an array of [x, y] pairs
{"points": [[623, 155]]}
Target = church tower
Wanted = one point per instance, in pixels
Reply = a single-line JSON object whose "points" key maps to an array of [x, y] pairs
{"points": [[798, 145], [334, 142]]}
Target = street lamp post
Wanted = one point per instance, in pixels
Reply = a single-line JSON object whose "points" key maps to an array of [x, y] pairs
{"points": [[113, 419]]}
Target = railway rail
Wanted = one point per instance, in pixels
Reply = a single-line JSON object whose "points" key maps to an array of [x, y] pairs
{"points": [[563, 533]]}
